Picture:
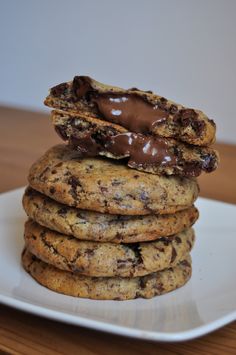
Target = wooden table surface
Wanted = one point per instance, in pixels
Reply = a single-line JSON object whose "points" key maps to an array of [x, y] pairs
{"points": [[24, 137]]}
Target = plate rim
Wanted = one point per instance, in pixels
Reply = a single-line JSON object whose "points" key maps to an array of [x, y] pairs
{"points": [[130, 332]]}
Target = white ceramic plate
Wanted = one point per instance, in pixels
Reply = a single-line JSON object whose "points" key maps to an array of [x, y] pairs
{"points": [[204, 304]]}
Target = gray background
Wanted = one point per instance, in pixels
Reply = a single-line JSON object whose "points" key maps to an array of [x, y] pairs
{"points": [[182, 49]]}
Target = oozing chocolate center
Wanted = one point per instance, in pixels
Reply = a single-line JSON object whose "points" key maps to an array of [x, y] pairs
{"points": [[130, 111], [140, 149]]}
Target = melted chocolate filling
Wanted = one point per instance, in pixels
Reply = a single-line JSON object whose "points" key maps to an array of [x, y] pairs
{"points": [[140, 149], [130, 111]]}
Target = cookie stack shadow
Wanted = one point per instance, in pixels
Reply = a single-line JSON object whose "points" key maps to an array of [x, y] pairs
{"points": [[100, 229]]}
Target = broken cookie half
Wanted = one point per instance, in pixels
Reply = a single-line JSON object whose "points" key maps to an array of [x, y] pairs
{"points": [[149, 132]]}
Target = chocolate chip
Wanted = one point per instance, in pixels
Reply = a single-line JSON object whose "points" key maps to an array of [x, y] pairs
{"points": [[61, 131], [121, 263], [89, 252], [198, 126], [118, 236], [81, 86], [105, 203], [189, 244], [116, 182], [58, 165], [160, 288], [186, 117], [162, 103], [173, 109], [185, 263], [165, 241], [212, 122], [89, 168], [43, 172], [178, 240], [33, 257], [52, 190], [173, 255], [74, 182], [76, 269], [135, 247], [59, 90], [163, 100], [62, 211], [142, 282], [29, 192], [50, 246], [133, 89]]}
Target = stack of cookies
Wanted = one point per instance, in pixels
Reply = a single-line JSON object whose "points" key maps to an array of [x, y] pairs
{"points": [[111, 210]]}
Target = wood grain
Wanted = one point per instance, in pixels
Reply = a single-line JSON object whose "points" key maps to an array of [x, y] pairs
{"points": [[24, 137]]}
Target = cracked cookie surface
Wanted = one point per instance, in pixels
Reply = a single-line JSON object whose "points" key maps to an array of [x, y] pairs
{"points": [[107, 186], [95, 226], [106, 259], [109, 288]]}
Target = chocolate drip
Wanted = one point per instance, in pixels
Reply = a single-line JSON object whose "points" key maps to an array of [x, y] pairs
{"points": [[141, 149], [81, 86], [85, 145], [130, 111]]}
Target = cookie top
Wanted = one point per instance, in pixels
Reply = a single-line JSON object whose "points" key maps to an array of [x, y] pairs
{"points": [[107, 288], [149, 153], [106, 259], [95, 226], [108, 186], [136, 110]]}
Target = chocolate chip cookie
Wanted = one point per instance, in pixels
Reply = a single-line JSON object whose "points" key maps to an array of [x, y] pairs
{"points": [[106, 259], [108, 288], [89, 225], [108, 186]]}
